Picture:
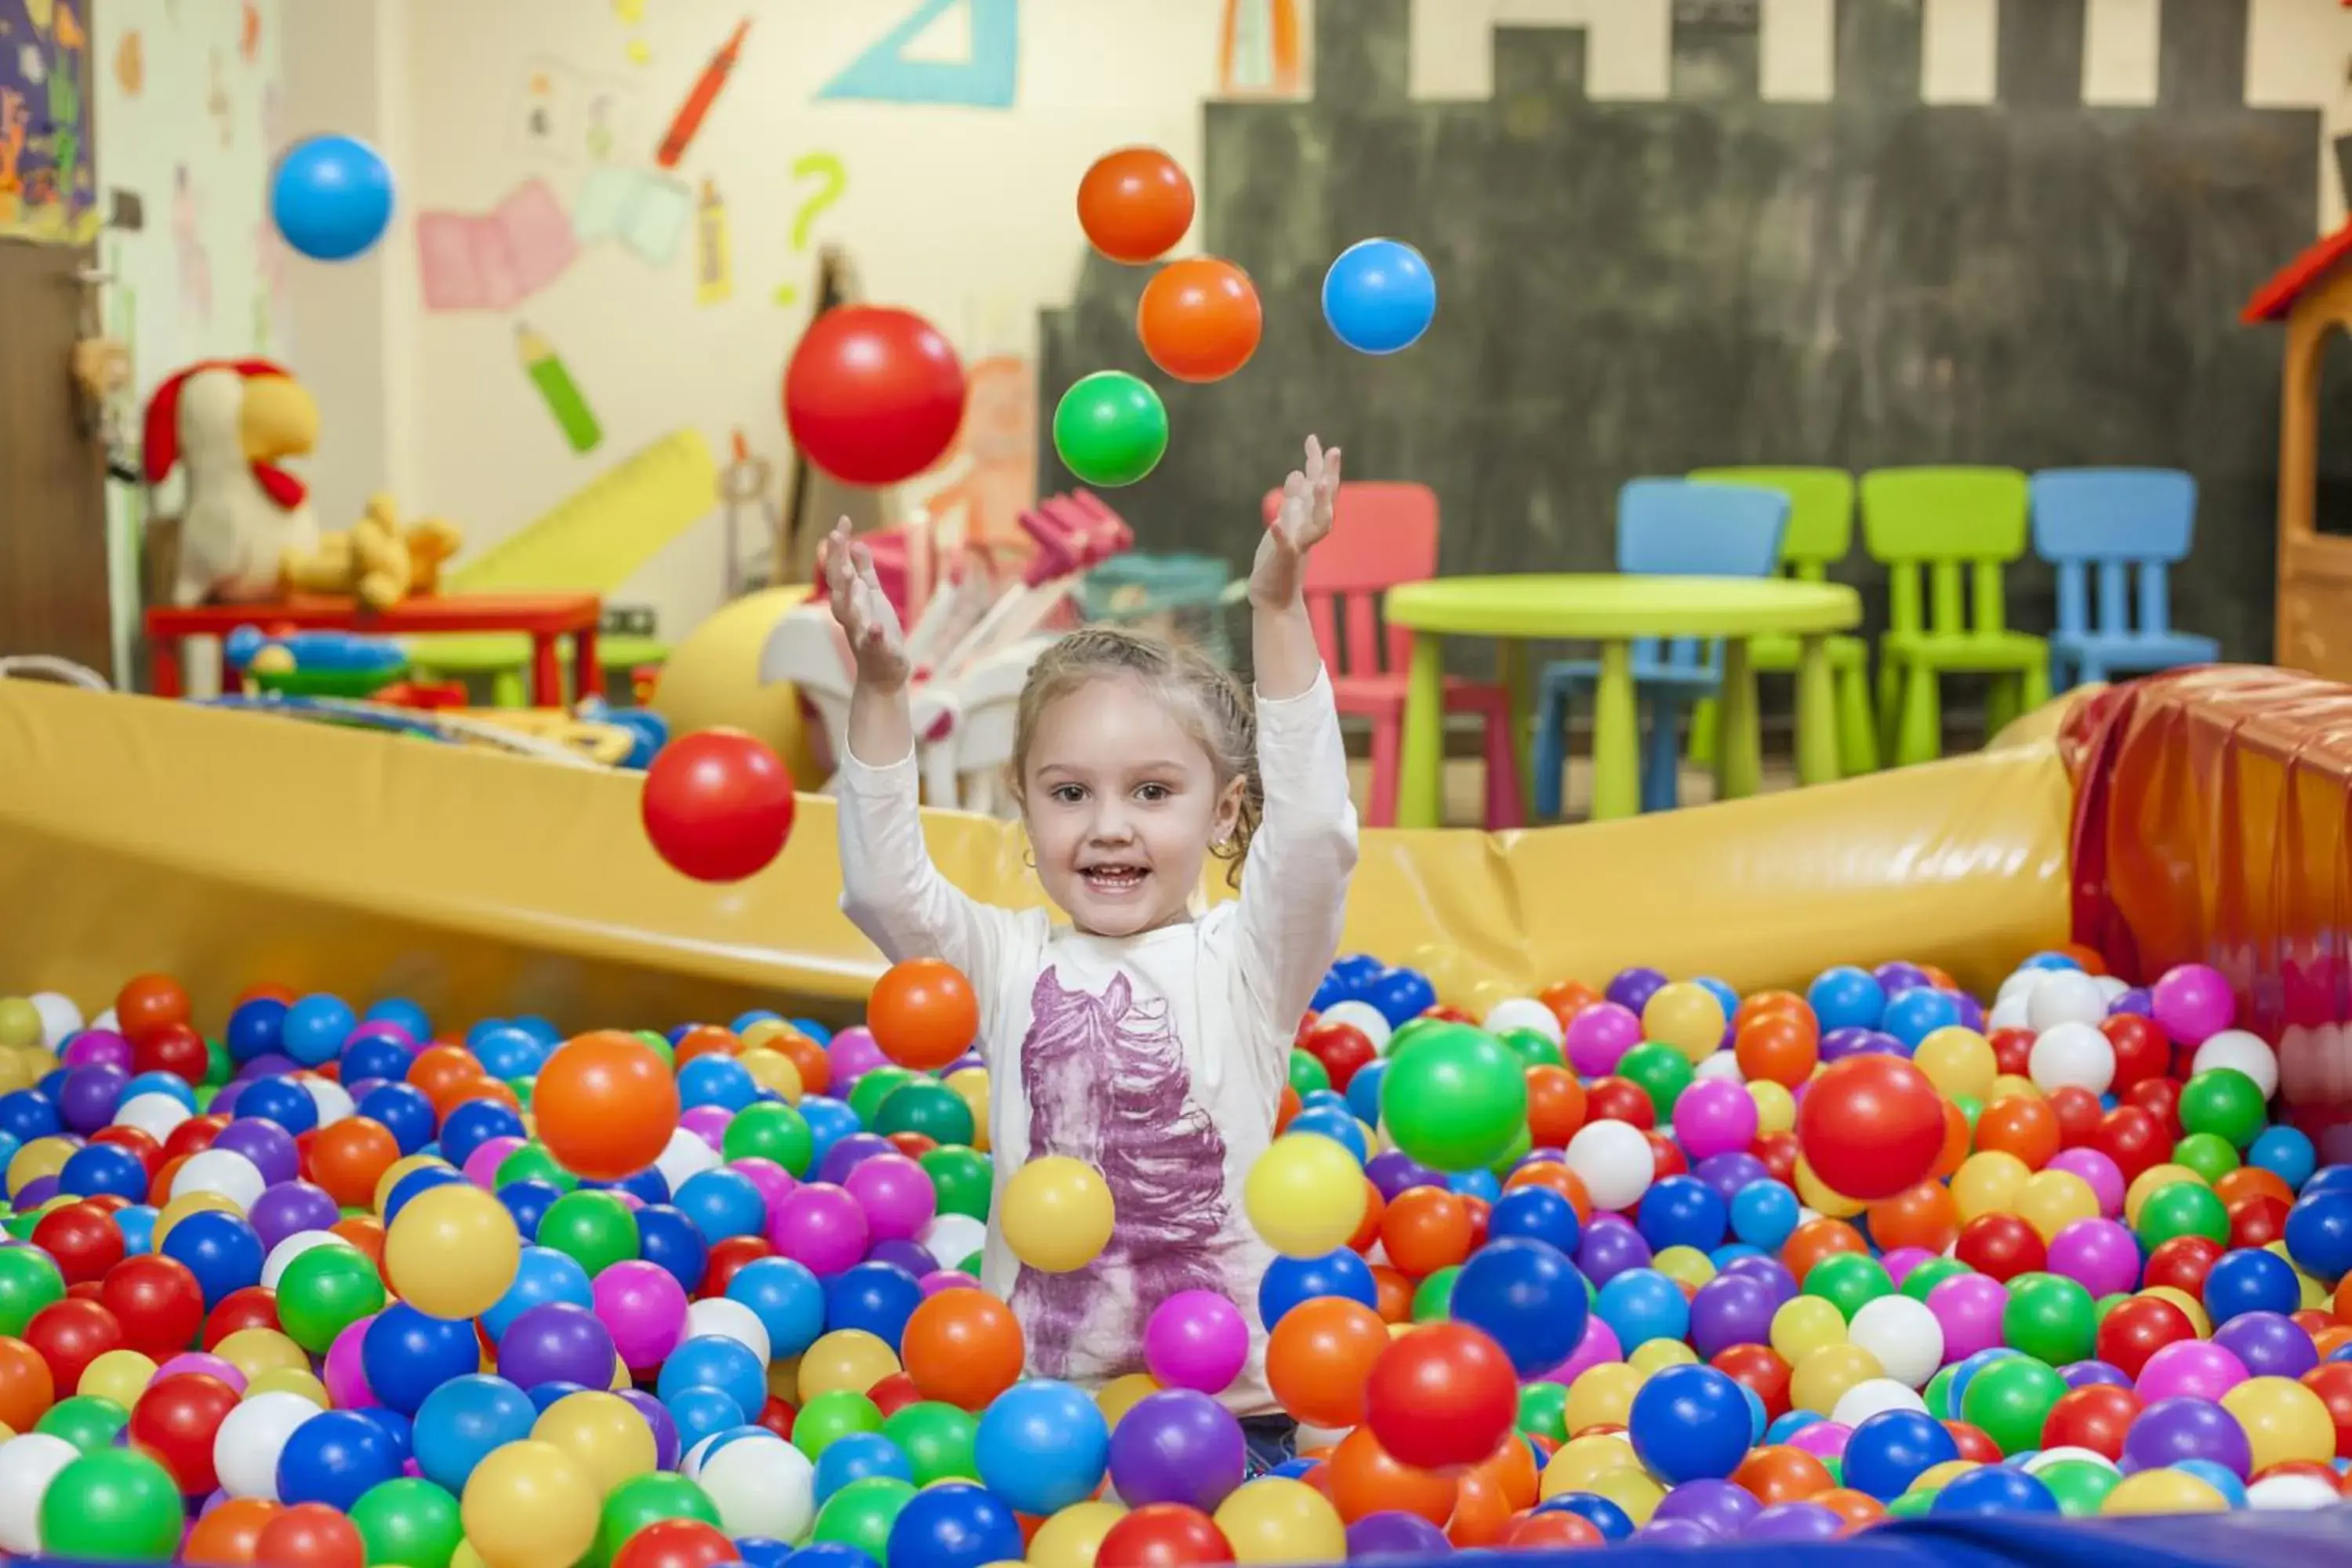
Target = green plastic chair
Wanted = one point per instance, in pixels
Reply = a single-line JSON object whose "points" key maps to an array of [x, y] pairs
{"points": [[593, 542], [1820, 533], [1944, 535]]}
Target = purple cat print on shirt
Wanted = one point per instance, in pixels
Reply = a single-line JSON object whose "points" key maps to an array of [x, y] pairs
{"points": [[1107, 1085]]}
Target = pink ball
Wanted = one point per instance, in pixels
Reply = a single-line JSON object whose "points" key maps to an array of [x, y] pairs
{"points": [[1196, 1339], [820, 1226], [345, 1378], [1597, 1347], [1600, 1036], [95, 1048], [643, 1306], [895, 1194], [1714, 1117], [1899, 1263], [204, 1363], [2192, 1001], [708, 1122], [1822, 1439], [2198, 1369], [1969, 1307], [851, 1056], [2104, 1177], [2099, 1255], [481, 1166], [941, 1280], [772, 1180]]}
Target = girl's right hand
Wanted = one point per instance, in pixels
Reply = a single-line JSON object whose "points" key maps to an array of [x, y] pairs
{"points": [[864, 611]]}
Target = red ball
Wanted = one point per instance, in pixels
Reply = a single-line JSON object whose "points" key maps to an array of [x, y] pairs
{"points": [[675, 1544], [310, 1535], [1760, 1369], [1975, 1442], [2078, 1112], [158, 1303], [913, 1145], [1342, 1048], [894, 1393], [2332, 1380], [2182, 1263], [136, 1141], [1440, 1397], [249, 1307], [717, 804], [728, 1258], [2011, 1050], [70, 1335], [1665, 1157], [873, 395], [1871, 1126], [176, 1419], [2134, 1138], [1618, 1100], [172, 1048], [2256, 1220], [2141, 1050], [1162, 1535], [778, 1416], [82, 1240], [193, 1136], [2095, 1417], [2136, 1329], [2160, 1098], [1778, 1153], [2001, 1245]]}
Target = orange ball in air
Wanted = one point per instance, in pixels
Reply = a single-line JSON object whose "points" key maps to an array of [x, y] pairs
{"points": [[1135, 204], [923, 1014], [1200, 319], [606, 1105]]}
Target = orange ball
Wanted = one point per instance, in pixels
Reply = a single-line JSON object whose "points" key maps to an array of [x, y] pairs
{"points": [[1395, 1292], [1817, 1239], [1481, 1511], [1567, 998], [365, 1233], [1780, 1047], [1959, 1140], [150, 1002], [458, 1091], [437, 1069], [1513, 1464], [1426, 1229], [1766, 1004], [1134, 205], [1366, 1479], [704, 1040], [27, 1386], [606, 1105], [1924, 1217], [230, 1535], [1286, 1108], [962, 1348], [1857, 1509], [2253, 1182], [815, 1067], [1367, 1230], [1541, 1532], [2020, 1125], [1317, 1358], [1200, 319], [1779, 1473], [348, 1158], [923, 1014], [1555, 1106], [1554, 1177]]}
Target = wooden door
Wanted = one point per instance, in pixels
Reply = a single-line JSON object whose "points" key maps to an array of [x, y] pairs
{"points": [[53, 557]]}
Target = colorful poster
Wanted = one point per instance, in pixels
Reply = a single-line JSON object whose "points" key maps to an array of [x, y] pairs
{"points": [[494, 260], [48, 190]]}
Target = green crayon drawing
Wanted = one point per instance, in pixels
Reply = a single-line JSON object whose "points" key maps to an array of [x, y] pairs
{"points": [[558, 390]]}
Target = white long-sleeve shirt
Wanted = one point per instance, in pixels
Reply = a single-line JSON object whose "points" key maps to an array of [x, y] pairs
{"points": [[1159, 1059]]}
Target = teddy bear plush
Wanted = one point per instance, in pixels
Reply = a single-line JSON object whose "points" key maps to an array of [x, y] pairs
{"points": [[381, 560]]}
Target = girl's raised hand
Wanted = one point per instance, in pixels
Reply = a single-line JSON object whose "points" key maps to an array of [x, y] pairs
{"points": [[864, 610], [1309, 499]]}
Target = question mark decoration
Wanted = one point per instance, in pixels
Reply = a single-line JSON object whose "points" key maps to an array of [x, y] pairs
{"points": [[831, 179]]}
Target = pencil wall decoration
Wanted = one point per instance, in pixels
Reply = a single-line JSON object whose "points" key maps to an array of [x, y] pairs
{"points": [[562, 395], [714, 259], [1257, 49]]}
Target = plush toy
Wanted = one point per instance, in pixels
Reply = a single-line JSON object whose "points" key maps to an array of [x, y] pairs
{"points": [[228, 423], [381, 560]]}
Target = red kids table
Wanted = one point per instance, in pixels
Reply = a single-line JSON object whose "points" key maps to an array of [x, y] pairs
{"points": [[542, 617]]}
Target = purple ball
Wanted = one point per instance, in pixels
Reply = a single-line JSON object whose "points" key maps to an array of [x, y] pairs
{"points": [[908, 1255], [1898, 974], [289, 1207], [557, 1343], [1730, 1310], [1727, 1174], [271, 1064], [851, 1055], [2093, 1373], [270, 1146], [665, 1426], [224, 1101], [1609, 1247], [87, 1099], [2137, 1001], [35, 1193], [1794, 1521], [2171, 1430], [1972, 1013], [1633, 988], [1179, 1446], [1776, 1275], [2270, 1344], [97, 1049], [1840, 1043], [1395, 1533], [939, 1279], [1395, 1170], [1716, 1506], [1662, 1531], [849, 1152]]}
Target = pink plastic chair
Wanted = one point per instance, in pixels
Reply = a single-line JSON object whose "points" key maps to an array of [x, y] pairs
{"points": [[1385, 534]]}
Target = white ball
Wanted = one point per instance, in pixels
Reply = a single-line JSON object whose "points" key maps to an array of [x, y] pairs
{"points": [[1871, 1396], [2109, 988], [761, 1489], [1904, 1335], [105, 1020], [1361, 1016], [2066, 996], [2020, 985], [333, 1100], [153, 1114], [27, 1464], [2009, 1015], [1723, 1065], [685, 1155], [722, 1317], [59, 1017], [222, 1171], [2291, 1494], [1615, 1161], [2241, 1050], [2048, 1456], [273, 1268], [952, 1237], [1524, 1013], [2072, 1054], [245, 1448]]}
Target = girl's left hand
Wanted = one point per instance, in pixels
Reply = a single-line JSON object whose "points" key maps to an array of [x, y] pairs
{"points": [[1309, 498]]}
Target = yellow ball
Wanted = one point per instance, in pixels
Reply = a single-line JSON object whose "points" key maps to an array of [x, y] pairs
{"points": [[20, 1023], [529, 1505], [396, 1170], [766, 1033], [2012, 1086], [120, 1375], [603, 1435], [1821, 1379], [1631, 1488], [773, 1070], [2189, 1306], [2164, 1491], [256, 1350], [289, 1380], [1959, 1061], [1072, 1537], [1579, 1459], [187, 1203], [2148, 1181], [2284, 1420], [2052, 1199], [452, 1251], [1804, 1324], [784, 1379], [1121, 1394], [1056, 1213], [1305, 1195], [1602, 1397], [1654, 1356], [465, 1556], [1685, 1266], [1935, 1478], [1989, 1183], [1276, 1519], [849, 1359], [41, 1157], [1686, 1015], [1821, 1197], [1776, 1108]]}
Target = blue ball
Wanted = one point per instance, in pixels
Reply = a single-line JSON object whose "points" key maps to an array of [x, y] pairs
{"points": [[716, 1080], [1042, 1446], [403, 1110], [544, 1397], [1641, 1305], [542, 1276], [283, 1101], [407, 1354], [137, 1224], [1528, 1297], [1480, 1185], [28, 1113], [376, 1057], [829, 1121], [1890, 1450], [335, 1458], [1613, 1522], [331, 197], [1846, 998], [529, 1203], [1380, 296], [787, 1298], [508, 1052], [829, 1555], [2251, 1279], [473, 1124], [713, 1361], [723, 1203], [1682, 1211], [400, 1429], [461, 1421], [1688, 1423], [1538, 1214], [1763, 1213], [953, 1526], [412, 1019], [1339, 1126], [2221, 1477], [221, 1250], [760, 1552], [316, 1027], [416, 1184], [859, 1455], [815, 1031], [1993, 1489], [1401, 995], [2285, 1153], [1364, 1092], [1289, 1281], [255, 1029], [2318, 1234], [1914, 1015], [703, 1412], [876, 1297], [671, 1240], [97, 1168]]}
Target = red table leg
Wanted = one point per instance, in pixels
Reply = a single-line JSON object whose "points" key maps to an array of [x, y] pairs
{"points": [[587, 679], [546, 671], [164, 656]]}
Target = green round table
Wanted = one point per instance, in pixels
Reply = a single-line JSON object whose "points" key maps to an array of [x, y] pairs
{"points": [[1614, 609]]}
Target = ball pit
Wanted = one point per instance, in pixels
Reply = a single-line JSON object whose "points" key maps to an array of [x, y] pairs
{"points": [[1653, 1263]]}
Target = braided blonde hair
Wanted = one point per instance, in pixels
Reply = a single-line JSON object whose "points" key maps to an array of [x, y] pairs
{"points": [[1212, 704]]}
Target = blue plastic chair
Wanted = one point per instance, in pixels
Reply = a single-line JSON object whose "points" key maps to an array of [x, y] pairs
{"points": [[2100, 524], [1666, 528]]}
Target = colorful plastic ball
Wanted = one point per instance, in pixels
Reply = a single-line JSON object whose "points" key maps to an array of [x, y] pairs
{"points": [[334, 1459], [2318, 1233], [2011, 1400], [1871, 1126], [1275, 1520], [1528, 1297], [1055, 1215], [463, 1420], [2170, 1430], [1042, 1446], [330, 197], [1177, 1446], [529, 1505], [1689, 1421], [1170, 1535], [1134, 205], [1379, 297], [453, 1251], [1110, 429], [115, 1504], [873, 396], [1455, 1098], [2284, 1421], [954, 1526], [2192, 1002], [606, 1104], [1443, 1395], [1196, 1339], [1199, 319]]}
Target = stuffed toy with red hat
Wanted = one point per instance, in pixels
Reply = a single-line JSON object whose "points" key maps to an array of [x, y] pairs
{"points": [[228, 423]]}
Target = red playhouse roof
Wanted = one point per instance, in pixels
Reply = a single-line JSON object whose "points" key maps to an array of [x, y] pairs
{"points": [[2274, 299]]}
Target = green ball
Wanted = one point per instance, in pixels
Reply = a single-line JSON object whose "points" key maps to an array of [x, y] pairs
{"points": [[85, 1420], [770, 1131], [1109, 429], [971, 1264], [2225, 1102], [29, 1281], [535, 1163], [1433, 1298], [1910, 1505], [324, 1291], [659, 1044], [2182, 1208], [931, 1109], [1522, 1143], [523, 1088], [1456, 1099], [960, 1178], [1307, 1074], [2207, 1154], [1927, 1276], [2079, 1485], [937, 1439], [408, 1521], [646, 1499], [829, 1417], [594, 1228], [1411, 1030], [1848, 1281], [861, 1514], [1543, 1410], [1970, 1107], [2010, 1400], [1661, 1072], [114, 1505], [2051, 1318], [1938, 1395], [218, 1065], [866, 1096], [1533, 1047], [21, 1225]]}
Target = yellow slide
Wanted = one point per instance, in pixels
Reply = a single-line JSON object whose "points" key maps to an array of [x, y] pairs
{"points": [[231, 849]]}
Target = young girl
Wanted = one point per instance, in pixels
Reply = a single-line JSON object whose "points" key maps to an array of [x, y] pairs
{"points": [[1146, 1038]]}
